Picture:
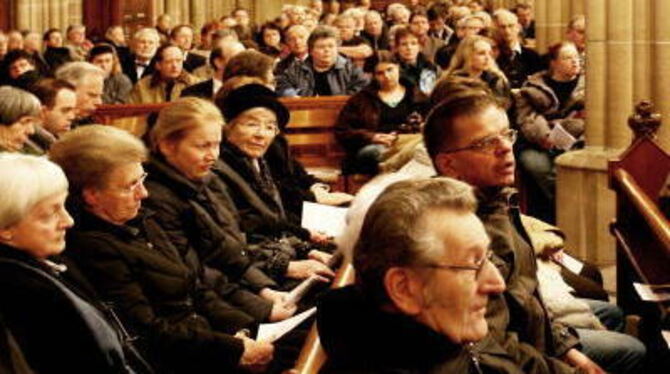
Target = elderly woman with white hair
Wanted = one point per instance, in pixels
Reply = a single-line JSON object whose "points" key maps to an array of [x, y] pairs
{"points": [[19, 111], [56, 325]]}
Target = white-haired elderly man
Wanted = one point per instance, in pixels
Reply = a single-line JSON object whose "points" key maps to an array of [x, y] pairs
{"points": [[144, 45], [89, 83]]}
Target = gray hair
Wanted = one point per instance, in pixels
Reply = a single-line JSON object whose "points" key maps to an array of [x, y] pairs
{"points": [[147, 31], [322, 32], [25, 180], [77, 72], [16, 103], [397, 231], [88, 154]]}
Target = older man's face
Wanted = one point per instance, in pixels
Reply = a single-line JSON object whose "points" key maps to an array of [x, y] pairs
{"points": [[373, 24], [509, 29], [456, 286], [89, 95], [145, 46]]}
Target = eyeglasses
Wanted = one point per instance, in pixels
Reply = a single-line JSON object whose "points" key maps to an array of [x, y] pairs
{"points": [[477, 267], [488, 144], [135, 186], [257, 127]]}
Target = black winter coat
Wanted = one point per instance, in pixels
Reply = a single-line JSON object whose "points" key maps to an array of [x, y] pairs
{"points": [[57, 326], [159, 293], [359, 337], [202, 215]]}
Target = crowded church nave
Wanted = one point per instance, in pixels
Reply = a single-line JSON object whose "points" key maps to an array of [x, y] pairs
{"points": [[334, 186]]}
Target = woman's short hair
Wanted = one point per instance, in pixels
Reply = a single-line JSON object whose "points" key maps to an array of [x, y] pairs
{"points": [[16, 103], [379, 57], [26, 180], [554, 50], [88, 154], [269, 26], [47, 34], [402, 33], [181, 116]]}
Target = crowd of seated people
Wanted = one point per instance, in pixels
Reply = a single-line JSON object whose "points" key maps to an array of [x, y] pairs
{"points": [[185, 240]]}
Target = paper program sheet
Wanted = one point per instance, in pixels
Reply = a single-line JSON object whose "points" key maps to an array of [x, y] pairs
{"points": [[650, 292], [325, 218], [561, 138], [270, 332]]}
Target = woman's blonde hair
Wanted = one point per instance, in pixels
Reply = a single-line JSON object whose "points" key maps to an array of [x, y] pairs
{"points": [[462, 59], [180, 116]]}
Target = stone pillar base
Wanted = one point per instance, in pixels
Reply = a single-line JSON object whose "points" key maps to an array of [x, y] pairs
{"points": [[585, 205]]}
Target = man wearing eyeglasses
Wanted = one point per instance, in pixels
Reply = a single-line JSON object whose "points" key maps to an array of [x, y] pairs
{"points": [[423, 281], [468, 138]]}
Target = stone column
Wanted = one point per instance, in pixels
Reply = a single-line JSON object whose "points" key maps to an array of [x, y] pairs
{"points": [[198, 15], [626, 61]]}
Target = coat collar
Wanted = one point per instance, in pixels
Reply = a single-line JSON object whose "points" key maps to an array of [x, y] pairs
{"points": [[391, 339]]}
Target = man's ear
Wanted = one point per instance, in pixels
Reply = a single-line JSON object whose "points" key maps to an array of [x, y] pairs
{"points": [[6, 235], [405, 290], [445, 165], [90, 196], [219, 62]]}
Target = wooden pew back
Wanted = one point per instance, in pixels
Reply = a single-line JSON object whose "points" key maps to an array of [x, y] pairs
{"points": [[641, 231], [310, 131]]}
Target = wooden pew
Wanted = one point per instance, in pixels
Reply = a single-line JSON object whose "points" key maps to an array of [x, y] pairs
{"points": [[641, 231], [312, 356], [310, 131]]}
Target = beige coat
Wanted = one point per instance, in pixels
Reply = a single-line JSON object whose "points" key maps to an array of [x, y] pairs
{"points": [[151, 90]]}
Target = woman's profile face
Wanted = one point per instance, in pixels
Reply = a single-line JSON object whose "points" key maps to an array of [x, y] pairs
{"points": [[41, 232], [15, 136], [196, 152], [481, 56], [253, 131]]}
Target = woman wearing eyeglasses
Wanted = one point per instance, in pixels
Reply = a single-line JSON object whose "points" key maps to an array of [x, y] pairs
{"points": [[158, 289], [255, 117], [54, 319]]}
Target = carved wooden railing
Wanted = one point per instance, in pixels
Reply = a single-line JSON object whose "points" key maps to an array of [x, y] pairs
{"points": [[641, 231]]}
